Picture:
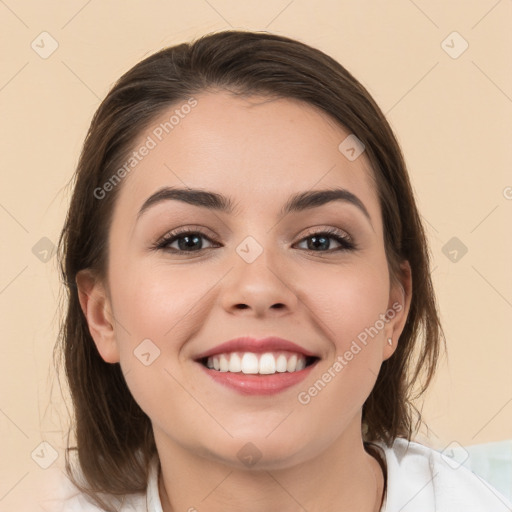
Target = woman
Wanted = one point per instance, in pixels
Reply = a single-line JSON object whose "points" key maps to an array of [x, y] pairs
{"points": [[250, 302]]}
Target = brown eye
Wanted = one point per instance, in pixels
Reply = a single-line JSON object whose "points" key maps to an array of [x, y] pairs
{"points": [[184, 241]]}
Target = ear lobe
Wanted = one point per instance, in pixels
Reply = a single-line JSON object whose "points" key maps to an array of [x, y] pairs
{"points": [[399, 305], [96, 307]]}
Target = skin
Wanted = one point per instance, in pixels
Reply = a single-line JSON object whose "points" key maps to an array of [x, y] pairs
{"points": [[258, 152]]}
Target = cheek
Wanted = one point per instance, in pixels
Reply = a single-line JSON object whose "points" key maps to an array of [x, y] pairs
{"points": [[156, 302], [348, 299], [347, 303], [156, 310], [159, 309]]}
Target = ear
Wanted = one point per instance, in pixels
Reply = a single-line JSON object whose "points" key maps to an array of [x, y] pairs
{"points": [[97, 310], [398, 309]]}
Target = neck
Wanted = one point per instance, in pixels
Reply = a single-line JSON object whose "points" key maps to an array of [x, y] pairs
{"points": [[342, 477]]}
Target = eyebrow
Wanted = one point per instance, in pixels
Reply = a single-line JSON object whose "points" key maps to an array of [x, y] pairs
{"points": [[218, 202]]}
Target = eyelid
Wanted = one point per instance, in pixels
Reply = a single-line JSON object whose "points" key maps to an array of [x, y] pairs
{"points": [[344, 240], [190, 228], [327, 230]]}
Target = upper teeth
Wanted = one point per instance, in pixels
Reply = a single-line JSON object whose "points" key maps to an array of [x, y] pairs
{"points": [[249, 362]]}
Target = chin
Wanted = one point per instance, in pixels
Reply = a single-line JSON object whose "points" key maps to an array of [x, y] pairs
{"points": [[257, 452]]}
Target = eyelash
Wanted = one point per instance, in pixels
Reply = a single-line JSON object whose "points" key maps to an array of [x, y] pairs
{"points": [[344, 241]]}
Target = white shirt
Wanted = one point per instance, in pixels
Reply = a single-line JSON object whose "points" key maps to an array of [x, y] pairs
{"points": [[419, 479]]}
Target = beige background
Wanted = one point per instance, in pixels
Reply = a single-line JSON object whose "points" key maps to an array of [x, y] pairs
{"points": [[452, 117]]}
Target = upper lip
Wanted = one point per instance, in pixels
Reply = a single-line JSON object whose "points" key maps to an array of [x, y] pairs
{"points": [[248, 344]]}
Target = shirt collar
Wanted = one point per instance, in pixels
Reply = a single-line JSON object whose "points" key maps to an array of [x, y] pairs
{"points": [[153, 503]]}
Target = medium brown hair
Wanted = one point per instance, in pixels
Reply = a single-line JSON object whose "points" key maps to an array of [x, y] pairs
{"points": [[114, 438]]}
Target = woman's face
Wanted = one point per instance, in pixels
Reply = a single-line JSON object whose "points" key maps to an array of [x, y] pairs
{"points": [[255, 268]]}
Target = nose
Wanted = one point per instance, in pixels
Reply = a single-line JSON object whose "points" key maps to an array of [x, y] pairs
{"points": [[258, 288]]}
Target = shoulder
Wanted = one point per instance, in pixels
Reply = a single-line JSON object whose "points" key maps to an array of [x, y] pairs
{"points": [[421, 479], [55, 492]]}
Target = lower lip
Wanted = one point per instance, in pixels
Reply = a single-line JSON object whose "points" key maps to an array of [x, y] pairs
{"points": [[255, 384]]}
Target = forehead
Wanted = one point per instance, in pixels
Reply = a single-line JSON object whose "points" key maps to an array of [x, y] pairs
{"points": [[250, 148]]}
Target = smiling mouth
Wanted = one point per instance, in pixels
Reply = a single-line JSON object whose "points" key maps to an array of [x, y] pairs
{"points": [[251, 363]]}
